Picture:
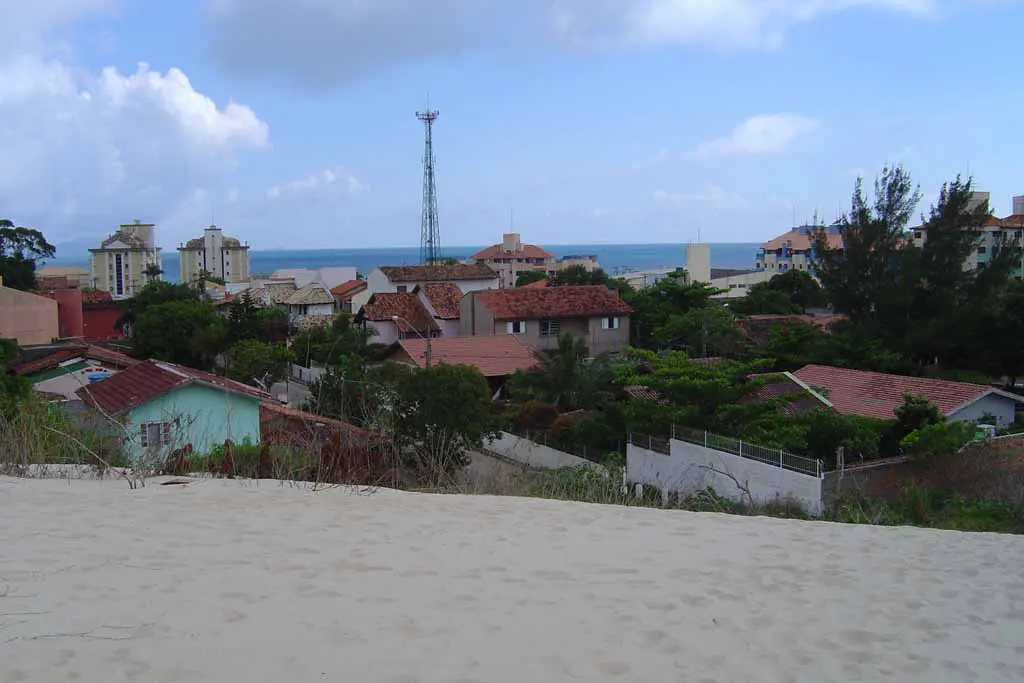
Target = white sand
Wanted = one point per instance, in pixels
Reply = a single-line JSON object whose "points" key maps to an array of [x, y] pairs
{"points": [[227, 582]]}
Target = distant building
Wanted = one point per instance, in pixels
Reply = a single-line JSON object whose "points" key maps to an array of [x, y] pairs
{"points": [[397, 279], [795, 249], [994, 233], [592, 313], [62, 277], [119, 264], [511, 258], [214, 254]]}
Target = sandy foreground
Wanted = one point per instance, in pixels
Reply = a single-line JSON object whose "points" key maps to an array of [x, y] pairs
{"points": [[224, 581]]}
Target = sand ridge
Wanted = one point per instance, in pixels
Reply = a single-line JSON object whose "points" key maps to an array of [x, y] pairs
{"points": [[228, 581]]}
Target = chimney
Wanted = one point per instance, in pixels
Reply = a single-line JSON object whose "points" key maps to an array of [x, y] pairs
{"points": [[1018, 205]]}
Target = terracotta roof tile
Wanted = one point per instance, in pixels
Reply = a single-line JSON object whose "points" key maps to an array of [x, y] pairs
{"points": [[151, 379], [346, 290], [498, 355], [440, 273], [778, 386], [800, 240], [536, 284], [272, 413], [385, 306], [497, 251], [445, 298], [873, 394], [61, 355], [583, 301]]}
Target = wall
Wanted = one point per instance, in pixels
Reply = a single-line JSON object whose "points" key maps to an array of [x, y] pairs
{"points": [[608, 341], [27, 318], [387, 332], [207, 418], [577, 327], [533, 454], [1003, 408], [475, 319], [99, 322], [738, 286], [69, 312], [688, 470]]}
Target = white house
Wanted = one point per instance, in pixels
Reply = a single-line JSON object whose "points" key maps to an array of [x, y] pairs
{"points": [[397, 279], [310, 305]]}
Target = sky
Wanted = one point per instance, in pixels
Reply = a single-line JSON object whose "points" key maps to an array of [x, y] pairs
{"points": [[291, 123]]}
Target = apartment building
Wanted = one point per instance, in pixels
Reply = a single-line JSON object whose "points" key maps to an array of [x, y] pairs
{"points": [[124, 262], [994, 233], [511, 257], [795, 249], [214, 254]]}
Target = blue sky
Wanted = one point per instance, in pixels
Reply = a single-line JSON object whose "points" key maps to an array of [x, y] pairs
{"points": [[618, 121]]}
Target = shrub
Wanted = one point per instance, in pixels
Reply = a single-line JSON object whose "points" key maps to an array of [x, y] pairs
{"points": [[937, 439]]}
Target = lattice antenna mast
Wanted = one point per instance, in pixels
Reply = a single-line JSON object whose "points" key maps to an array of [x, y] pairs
{"points": [[430, 231]]}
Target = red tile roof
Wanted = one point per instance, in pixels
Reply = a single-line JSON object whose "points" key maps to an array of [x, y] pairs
{"points": [[497, 251], [151, 379], [584, 301], [497, 355], [536, 284], [801, 241], [441, 273], [445, 298], [989, 222], [271, 413], [642, 393], [346, 290], [385, 306], [785, 385], [96, 296], [61, 355], [873, 394]]}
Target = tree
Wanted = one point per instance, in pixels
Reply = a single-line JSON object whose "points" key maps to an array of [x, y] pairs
{"points": [[761, 299], [579, 275], [260, 363], [998, 339], [153, 271], [802, 290], [14, 389], [653, 306], [328, 345], [20, 250], [529, 276], [187, 332], [709, 330], [155, 292]]}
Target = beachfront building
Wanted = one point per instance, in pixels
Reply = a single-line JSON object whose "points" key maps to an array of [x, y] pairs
{"points": [[994, 233], [213, 255], [511, 257], [540, 315], [125, 261], [795, 249]]}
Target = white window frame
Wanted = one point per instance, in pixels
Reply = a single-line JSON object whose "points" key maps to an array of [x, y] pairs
{"points": [[516, 326], [610, 322], [554, 327], [165, 434]]}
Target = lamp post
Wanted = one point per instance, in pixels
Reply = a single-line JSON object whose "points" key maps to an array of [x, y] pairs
{"points": [[397, 318]]}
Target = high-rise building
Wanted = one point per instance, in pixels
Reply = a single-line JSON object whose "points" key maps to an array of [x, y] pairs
{"points": [[126, 260], [213, 255]]}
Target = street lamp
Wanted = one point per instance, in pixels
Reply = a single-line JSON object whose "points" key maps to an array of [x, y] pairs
{"points": [[397, 318]]}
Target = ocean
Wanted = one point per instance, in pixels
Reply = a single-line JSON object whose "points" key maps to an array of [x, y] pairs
{"points": [[615, 259]]}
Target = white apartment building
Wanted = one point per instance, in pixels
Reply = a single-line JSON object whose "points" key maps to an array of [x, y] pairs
{"points": [[120, 263], [994, 232], [214, 254], [794, 250]]}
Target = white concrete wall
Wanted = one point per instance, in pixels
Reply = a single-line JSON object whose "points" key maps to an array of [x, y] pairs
{"points": [[533, 454], [387, 332], [1003, 408], [691, 469]]}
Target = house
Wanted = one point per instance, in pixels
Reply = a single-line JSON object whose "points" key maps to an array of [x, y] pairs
{"points": [[878, 395], [62, 277], [511, 257], [398, 315], [592, 313], [340, 452], [497, 357], [443, 301], [467, 277], [121, 263], [214, 254], [63, 370], [348, 296], [795, 249], [159, 407], [329, 277], [311, 305], [27, 318]]}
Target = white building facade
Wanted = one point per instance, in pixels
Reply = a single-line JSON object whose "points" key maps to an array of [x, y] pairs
{"points": [[214, 255]]}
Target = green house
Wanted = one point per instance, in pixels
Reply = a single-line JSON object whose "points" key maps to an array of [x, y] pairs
{"points": [[157, 408]]}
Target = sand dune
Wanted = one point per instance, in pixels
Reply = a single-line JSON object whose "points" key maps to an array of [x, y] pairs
{"points": [[222, 581]]}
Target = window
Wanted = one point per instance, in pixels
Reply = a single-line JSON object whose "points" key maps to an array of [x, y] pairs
{"points": [[550, 328], [118, 274], [917, 235], [981, 250], [517, 327], [153, 434], [609, 323], [402, 289]]}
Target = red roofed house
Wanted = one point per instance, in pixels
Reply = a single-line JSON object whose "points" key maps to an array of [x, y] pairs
{"points": [[538, 317], [794, 250], [467, 277], [346, 295], [159, 407], [63, 370], [397, 315], [497, 357], [877, 395], [512, 257]]}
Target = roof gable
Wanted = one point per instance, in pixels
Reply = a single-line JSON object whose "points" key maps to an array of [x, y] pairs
{"points": [[405, 306], [445, 298], [585, 301], [878, 395]]}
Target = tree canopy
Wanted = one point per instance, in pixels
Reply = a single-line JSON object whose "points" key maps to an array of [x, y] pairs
{"points": [[21, 250]]}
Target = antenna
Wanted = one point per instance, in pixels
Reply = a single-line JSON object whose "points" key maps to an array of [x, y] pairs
{"points": [[430, 232]]}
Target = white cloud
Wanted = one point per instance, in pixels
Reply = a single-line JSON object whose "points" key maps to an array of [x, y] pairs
{"points": [[320, 43], [767, 134], [331, 179], [84, 152]]}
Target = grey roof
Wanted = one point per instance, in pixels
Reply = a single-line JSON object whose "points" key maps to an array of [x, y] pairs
{"points": [[311, 294]]}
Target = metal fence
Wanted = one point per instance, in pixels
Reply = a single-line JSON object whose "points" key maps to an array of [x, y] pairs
{"points": [[584, 451], [727, 444]]}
